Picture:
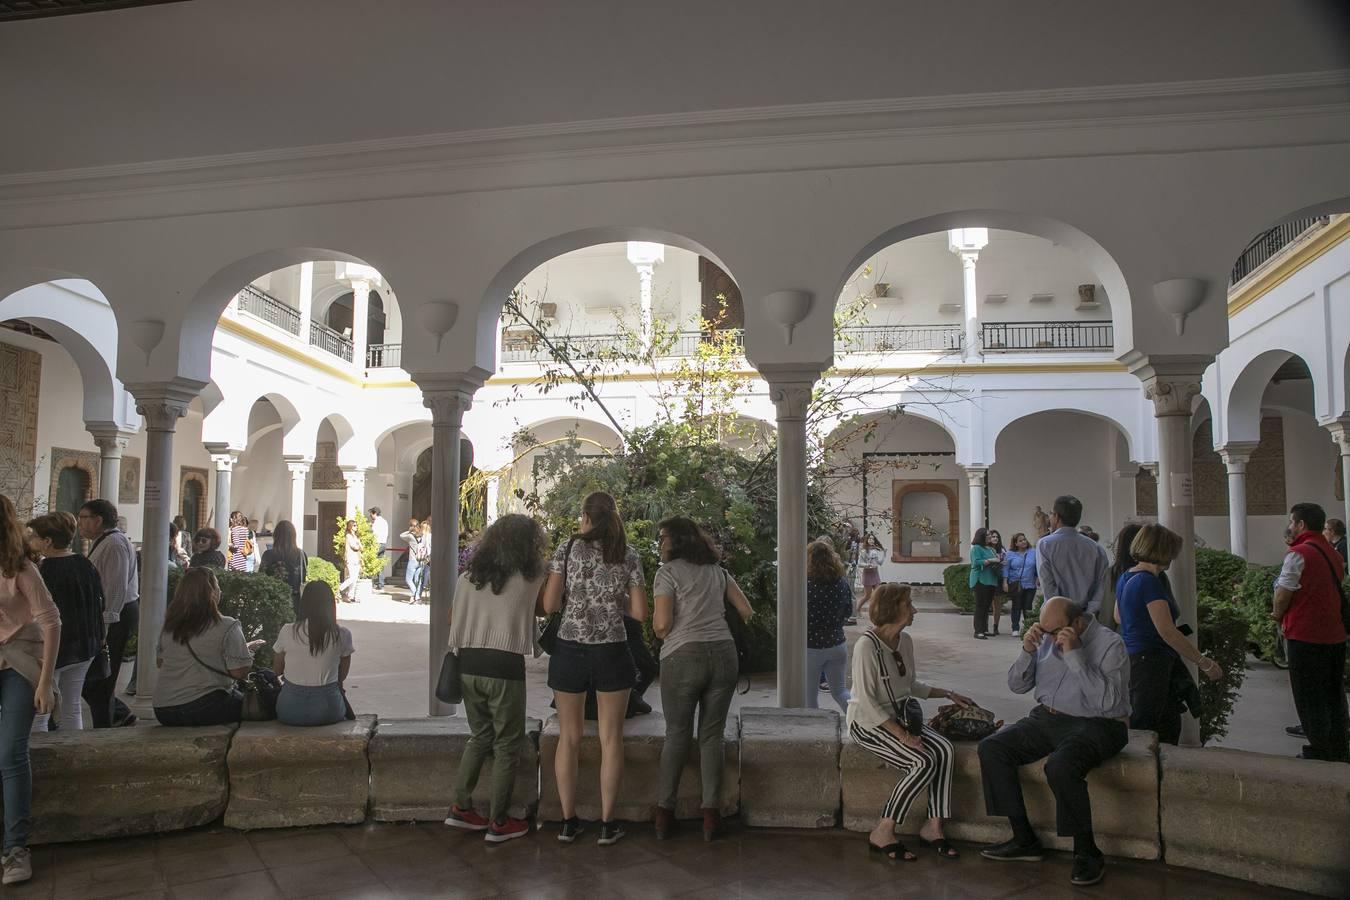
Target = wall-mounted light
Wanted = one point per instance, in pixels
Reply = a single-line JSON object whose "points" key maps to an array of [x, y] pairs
{"points": [[788, 308], [146, 334], [438, 317]]}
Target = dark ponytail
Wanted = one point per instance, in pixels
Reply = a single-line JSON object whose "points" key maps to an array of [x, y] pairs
{"points": [[606, 527]]}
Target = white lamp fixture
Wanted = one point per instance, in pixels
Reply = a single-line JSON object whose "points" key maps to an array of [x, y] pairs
{"points": [[788, 308], [438, 317], [1180, 297], [146, 334]]}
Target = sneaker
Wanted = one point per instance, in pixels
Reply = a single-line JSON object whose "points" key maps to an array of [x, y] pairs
{"points": [[1294, 731], [980, 636], [824, 686], [570, 831], [18, 866], [610, 833], [1012, 851], [466, 819], [664, 822], [1087, 869], [508, 830]]}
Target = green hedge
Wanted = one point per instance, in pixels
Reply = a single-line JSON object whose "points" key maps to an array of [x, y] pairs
{"points": [[1254, 598], [1218, 573], [956, 579], [261, 603], [1223, 636], [323, 570]]}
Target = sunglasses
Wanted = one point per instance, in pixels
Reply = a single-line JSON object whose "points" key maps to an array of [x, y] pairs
{"points": [[899, 662]]}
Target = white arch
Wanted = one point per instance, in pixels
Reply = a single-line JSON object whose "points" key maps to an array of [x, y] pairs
{"points": [[1094, 404], [1248, 387]]}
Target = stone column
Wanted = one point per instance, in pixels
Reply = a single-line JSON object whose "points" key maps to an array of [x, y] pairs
{"points": [[1173, 385], [977, 477], [224, 456], [162, 405], [1340, 433], [360, 322], [967, 244], [305, 298], [494, 485], [298, 466], [111, 442], [791, 396], [1235, 458], [447, 417], [355, 476]]}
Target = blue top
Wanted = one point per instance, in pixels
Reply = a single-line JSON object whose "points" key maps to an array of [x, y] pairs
{"points": [[828, 604], [1019, 568], [1134, 592], [979, 572], [1073, 565]]}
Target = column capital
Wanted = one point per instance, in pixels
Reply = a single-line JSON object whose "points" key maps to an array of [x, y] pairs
{"points": [[354, 474], [1340, 433], [109, 438], [1236, 455], [1171, 382], [163, 403], [791, 399], [976, 473], [224, 455], [447, 406], [298, 465]]}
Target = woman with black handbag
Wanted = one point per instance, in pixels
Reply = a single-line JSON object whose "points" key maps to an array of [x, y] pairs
{"points": [[884, 717], [200, 655]]}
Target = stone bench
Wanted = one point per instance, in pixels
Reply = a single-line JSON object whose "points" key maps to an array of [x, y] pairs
{"points": [[790, 767], [116, 782], [1124, 799], [643, 738], [413, 763], [1278, 821], [283, 776]]}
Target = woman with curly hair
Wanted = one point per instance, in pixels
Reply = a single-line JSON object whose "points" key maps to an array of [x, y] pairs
{"points": [[492, 631], [829, 605]]}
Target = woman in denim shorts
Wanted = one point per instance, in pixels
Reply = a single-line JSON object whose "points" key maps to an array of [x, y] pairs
{"points": [[603, 583]]}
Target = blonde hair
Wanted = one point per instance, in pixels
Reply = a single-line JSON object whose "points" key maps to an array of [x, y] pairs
{"points": [[1155, 544], [888, 603]]}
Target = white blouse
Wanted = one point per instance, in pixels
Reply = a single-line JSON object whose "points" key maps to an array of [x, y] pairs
{"points": [[871, 705]]}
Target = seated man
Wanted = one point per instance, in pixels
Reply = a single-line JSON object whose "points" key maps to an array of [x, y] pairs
{"points": [[1081, 675]]}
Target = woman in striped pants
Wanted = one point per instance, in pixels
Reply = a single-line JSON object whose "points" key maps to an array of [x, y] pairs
{"points": [[884, 677]]}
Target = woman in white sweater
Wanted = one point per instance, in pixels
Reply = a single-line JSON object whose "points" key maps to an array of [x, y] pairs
{"points": [[884, 677], [492, 631]]}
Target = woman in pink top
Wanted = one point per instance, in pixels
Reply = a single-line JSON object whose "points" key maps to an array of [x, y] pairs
{"points": [[30, 636]]}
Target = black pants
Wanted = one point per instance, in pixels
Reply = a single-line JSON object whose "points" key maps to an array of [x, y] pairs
{"points": [[1154, 705], [1315, 674], [215, 708], [104, 707], [984, 601], [1022, 600], [1074, 745]]}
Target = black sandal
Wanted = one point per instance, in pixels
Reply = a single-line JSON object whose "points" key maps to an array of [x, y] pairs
{"points": [[895, 852], [942, 847]]}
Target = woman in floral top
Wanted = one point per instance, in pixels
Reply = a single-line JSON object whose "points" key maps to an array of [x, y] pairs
{"points": [[603, 584]]}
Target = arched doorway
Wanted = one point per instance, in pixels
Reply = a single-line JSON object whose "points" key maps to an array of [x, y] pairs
{"points": [[72, 489], [194, 509], [339, 317], [421, 488]]}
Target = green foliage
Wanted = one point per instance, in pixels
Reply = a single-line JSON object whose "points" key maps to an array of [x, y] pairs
{"points": [[261, 603], [1254, 599], [956, 579], [371, 561], [1218, 574], [1222, 636], [323, 570]]}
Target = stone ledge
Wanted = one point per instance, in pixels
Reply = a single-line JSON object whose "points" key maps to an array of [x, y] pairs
{"points": [[1277, 821], [1124, 799], [117, 782], [643, 738], [413, 764], [282, 776], [790, 767]]}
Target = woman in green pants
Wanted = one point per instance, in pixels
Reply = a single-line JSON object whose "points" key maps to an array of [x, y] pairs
{"points": [[492, 630]]}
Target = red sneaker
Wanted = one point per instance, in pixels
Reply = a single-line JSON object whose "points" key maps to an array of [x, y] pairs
{"points": [[508, 830], [466, 819]]}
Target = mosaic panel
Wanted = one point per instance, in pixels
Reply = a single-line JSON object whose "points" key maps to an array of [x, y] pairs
{"points": [[325, 472], [20, 380]]}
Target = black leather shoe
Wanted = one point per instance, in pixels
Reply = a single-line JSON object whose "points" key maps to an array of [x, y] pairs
{"points": [[1294, 731], [1010, 851], [1087, 869]]}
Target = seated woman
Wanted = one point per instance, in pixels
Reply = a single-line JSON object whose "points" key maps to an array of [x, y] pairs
{"points": [[200, 655], [206, 549], [884, 677], [313, 654]]}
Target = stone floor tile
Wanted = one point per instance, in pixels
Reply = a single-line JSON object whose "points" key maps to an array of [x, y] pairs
{"points": [[575, 889], [397, 862], [83, 855], [140, 876], [323, 876], [196, 840], [299, 847], [466, 886], [376, 836], [248, 886], [200, 865], [651, 879]]}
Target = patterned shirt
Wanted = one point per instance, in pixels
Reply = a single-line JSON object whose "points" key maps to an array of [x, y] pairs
{"points": [[828, 604], [596, 593]]}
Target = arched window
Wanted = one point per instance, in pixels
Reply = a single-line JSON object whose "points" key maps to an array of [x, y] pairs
{"points": [[72, 489], [193, 510]]}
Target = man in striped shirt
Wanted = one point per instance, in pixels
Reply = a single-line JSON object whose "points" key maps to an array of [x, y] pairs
{"points": [[115, 559]]}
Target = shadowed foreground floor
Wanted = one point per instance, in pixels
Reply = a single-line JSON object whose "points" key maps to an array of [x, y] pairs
{"points": [[376, 861]]}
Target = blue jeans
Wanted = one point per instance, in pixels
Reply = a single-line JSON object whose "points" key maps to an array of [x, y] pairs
{"points": [[16, 721], [302, 704], [832, 661], [420, 580]]}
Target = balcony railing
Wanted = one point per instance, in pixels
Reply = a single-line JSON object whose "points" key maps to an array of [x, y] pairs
{"points": [[259, 303], [1269, 243], [327, 339], [381, 356], [898, 339], [1004, 337]]}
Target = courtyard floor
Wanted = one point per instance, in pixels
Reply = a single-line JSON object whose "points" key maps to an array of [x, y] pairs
{"points": [[430, 860], [389, 671]]}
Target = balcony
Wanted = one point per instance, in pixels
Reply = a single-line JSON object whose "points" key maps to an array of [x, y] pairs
{"points": [[264, 306], [1268, 244], [899, 339], [330, 341], [384, 356], [1037, 337]]}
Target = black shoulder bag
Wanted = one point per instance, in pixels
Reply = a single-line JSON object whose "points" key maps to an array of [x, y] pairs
{"points": [[740, 636], [1345, 603], [548, 634], [258, 689]]}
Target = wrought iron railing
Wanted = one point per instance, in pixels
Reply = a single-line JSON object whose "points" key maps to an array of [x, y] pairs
{"points": [[1269, 243], [384, 356], [999, 337], [687, 342], [327, 339], [898, 339], [257, 302]]}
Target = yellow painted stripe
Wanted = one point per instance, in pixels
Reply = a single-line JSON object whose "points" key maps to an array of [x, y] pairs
{"points": [[1254, 289]]}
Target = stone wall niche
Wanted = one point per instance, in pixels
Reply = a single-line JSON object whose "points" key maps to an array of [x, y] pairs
{"points": [[936, 501]]}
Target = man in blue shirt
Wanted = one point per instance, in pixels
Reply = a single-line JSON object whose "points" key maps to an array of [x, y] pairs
{"points": [[1071, 564], [1080, 673]]}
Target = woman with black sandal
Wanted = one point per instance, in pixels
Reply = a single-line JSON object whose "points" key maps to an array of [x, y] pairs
{"points": [[884, 679]]}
